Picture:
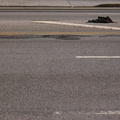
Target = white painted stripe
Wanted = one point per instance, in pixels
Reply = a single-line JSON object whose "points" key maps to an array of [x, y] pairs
{"points": [[81, 25], [105, 113], [57, 112], [89, 113], [97, 56]]}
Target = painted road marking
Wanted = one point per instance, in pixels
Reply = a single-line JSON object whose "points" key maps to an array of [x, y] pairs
{"points": [[98, 57], [90, 113], [81, 25]]}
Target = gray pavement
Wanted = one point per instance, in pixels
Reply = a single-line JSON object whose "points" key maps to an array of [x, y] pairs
{"points": [[25, 21], [42, 79]]}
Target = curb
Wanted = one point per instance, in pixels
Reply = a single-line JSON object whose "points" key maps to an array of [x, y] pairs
{"points": [[57, 8]]}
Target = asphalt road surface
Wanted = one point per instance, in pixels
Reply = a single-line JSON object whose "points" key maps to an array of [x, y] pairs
{"points": [[51, 71]]}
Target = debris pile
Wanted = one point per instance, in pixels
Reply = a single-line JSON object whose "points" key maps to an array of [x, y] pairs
{"points": [[101, 20]]}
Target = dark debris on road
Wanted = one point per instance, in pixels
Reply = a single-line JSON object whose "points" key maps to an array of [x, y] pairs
{"points": [[101, 20]]}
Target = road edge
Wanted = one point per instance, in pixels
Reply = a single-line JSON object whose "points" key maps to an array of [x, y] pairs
{"points": [[56, 8]]}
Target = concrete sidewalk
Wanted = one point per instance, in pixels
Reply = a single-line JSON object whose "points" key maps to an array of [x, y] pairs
{"points": [[67, 3], [34, 3]]}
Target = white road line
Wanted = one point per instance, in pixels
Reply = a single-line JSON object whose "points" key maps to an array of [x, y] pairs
{"points": [[90, 113], [104, 57], [105, 113], [81, 25], [57, 113]]}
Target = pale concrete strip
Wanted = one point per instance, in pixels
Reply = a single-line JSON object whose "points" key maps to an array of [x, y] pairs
{"points": [[57, 33], [19, 3], [34, 3], [99, 57], [54, 3], [81, 25]]}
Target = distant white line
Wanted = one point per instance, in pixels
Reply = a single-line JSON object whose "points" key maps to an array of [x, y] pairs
{"points": [[90, 113], [97, 56], [105, 113], [57, 112], [81, 25]]}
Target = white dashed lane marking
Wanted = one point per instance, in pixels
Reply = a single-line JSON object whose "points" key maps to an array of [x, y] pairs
{"points": [[98, 57], [90, 113], [76, 24]]}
